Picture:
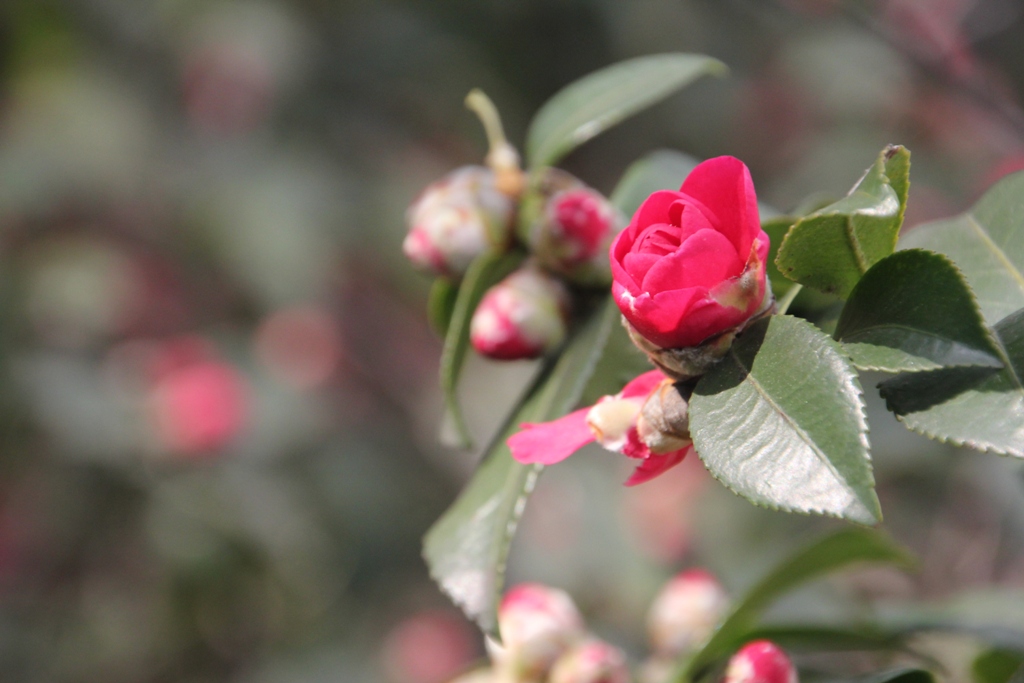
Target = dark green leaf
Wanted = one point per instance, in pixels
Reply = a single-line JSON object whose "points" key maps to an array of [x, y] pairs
{"points": [[903, 675], [913, 311], [664, 169], [487, 270], [776, 229], [996, 666], [827, 638], [822, 557], [600, 100], [780, 422], [467, 547], [994, 616], [833, 247], [987, 244], [982, 408], [441, 304]]}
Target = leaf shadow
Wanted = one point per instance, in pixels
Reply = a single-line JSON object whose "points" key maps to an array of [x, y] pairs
{"points": [[913, 392]]}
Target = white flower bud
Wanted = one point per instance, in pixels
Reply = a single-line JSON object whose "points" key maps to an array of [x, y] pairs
{"points": [[591, 662], [456, 219], [523, 316], [685, 613], [537, 624]]}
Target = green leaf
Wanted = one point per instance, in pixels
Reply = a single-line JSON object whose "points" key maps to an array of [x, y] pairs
{"points": [[486, 271], [780, 422], [996, 666], [441, 304], [902, 675], [978, 407], [827, 638], [776, 229], [914, 311], [663, 169], [987, 244], [833, 247], [820, 558], [467, 547], [598, 101]]}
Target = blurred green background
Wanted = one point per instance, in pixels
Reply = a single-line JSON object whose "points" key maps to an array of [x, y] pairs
{"points": [[219, 413]]}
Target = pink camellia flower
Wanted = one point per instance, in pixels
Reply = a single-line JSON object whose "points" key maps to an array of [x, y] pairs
{"points": [[537, 624], [523, 316], [456, 219], [685, 613], [691, 264], [620, 423], [761, 661]]}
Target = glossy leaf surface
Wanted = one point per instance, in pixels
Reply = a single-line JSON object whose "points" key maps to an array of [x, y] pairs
{"points": [[467, 547], [978, 407], [833, 247], [913, 311], [780, 422], [987, 244], [598, 101]]}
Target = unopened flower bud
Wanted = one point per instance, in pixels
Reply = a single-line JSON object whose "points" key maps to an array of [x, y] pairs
{"points": [[537, 624], [571, 232], [664, 422], [591, 662], [685, 613], [761, 661], [456, 219], [523, 316]]}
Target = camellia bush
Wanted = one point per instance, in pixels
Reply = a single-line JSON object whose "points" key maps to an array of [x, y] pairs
{"points": [[682, 262]]}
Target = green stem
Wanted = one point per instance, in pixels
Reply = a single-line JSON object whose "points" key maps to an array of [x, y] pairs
{"points": [[787, 299], [481, 105]]}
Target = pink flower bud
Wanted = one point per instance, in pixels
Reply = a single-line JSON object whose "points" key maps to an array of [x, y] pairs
{"points": [[573, 232], [685, 613], [591, 662], [523, 316], [537, 625], [457, 219], [760, 662]]}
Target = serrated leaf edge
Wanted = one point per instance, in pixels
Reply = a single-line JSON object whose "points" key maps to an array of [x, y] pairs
{"points": [[865, 429], [976, 309], [961, 443]]}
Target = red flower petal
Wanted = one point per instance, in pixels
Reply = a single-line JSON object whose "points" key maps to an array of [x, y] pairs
{"points": [[704, 260], [659, 318], [643, 385], [549, 442], [654, 465], [725, 187]]}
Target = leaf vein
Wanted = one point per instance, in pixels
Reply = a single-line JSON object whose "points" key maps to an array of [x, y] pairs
{"points": [[997, 251], [804, 436]]}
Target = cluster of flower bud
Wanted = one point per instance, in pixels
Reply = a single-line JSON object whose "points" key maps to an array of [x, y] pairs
{"points": [[684, 616], [544, 639], [564, 227]]}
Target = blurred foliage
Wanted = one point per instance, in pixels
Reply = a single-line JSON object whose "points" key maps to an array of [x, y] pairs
{"points": [[218, 402]]}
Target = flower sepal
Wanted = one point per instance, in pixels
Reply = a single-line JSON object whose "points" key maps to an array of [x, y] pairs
{"points": [[690, 362]]}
